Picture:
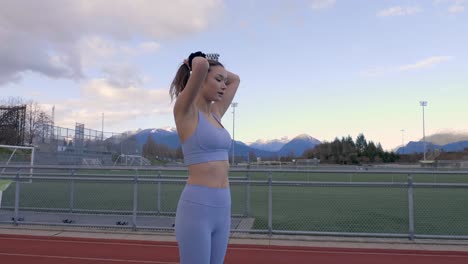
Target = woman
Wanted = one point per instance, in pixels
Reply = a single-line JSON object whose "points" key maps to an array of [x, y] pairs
{"points": [[204, 90]]}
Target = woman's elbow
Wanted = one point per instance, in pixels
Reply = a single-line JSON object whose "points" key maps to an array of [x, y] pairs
{"points": [[200, 63]]}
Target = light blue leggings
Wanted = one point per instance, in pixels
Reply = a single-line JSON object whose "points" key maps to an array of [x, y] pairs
{"points": [[202, 225]]}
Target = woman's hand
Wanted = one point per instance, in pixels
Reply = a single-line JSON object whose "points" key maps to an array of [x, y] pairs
{"points": [[200, 63], [193, 56]]}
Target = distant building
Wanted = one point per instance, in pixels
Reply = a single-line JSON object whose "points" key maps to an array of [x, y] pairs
{"points": [[307, 162]]}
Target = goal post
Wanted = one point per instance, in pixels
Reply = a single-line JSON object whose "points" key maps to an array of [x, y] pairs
{"points": [[3, 186], [10, 154]]}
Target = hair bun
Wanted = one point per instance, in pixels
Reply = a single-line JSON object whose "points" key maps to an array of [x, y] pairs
{"points": [[193, 55]]}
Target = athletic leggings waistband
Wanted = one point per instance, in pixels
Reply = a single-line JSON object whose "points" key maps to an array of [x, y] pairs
{"points": [[209, 196]]}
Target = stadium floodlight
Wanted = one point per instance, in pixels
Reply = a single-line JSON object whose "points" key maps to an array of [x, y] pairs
{"points": [[424, 104], [403, 141], [234, 105], [102, 130]]}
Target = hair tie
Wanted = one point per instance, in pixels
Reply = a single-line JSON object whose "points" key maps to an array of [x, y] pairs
{"points": [[193, 55]]}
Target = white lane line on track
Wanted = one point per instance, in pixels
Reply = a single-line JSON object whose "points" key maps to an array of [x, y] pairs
{"points": [[64, 240], [79, 258], [351, 252]]}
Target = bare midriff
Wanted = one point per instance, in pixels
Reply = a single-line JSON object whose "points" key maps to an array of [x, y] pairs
{"points": [[211, 174]]}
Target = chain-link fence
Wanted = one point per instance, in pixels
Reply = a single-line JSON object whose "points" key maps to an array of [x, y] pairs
{"points": [[83, 146], [319, 202]]}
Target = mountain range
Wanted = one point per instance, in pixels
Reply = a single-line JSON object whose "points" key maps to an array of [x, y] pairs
{"points": [[261, 148], [286, 147], [269, 145], [418, 147]]}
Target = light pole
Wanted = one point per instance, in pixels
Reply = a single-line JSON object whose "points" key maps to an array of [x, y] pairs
{"points": [[423, 104], [234, 105], [403, 141], [102, 130]]}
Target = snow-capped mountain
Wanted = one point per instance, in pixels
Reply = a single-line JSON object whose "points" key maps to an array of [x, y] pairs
{"points": [[444, 141], [445, 138], [266, 148], [261, 148], [418, 147], [298, 145], [269, 145], [167, 136]]}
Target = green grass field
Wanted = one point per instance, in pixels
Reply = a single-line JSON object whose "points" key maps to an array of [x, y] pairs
{"points": [[438, 211], [4, 184]]}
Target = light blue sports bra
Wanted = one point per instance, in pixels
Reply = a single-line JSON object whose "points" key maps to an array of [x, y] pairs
{"points": [[207, 143]]}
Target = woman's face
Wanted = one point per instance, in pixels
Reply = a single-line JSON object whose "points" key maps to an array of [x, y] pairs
{"points": [[215, 83]]}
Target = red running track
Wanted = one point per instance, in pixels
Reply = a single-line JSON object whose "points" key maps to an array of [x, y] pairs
{"points": [[18, 249]]}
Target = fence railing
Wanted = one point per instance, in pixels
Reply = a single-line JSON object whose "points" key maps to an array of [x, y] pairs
{"points": [[375, 203]]}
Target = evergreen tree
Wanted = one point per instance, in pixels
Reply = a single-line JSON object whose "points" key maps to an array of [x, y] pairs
{"points": [[150, 148], [371, 151], [252, 156], [361, 144]]}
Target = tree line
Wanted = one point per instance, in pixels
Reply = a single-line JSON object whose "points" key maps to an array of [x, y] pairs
{"points": [[347, 151], [155, 151], [339, 151], [36, 117]]}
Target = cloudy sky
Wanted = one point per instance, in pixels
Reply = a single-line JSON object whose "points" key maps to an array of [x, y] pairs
{"points": [[326, 68]]}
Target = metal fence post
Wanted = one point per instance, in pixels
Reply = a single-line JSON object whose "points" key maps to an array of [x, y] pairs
{"points": [[270, 203], [159, 192], [247, 193], [72, 190], [17, 197], [135, 199], [411, 207]]}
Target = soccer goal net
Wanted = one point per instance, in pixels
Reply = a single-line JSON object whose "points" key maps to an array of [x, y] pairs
{"points": [[16, 155], [132, 160]]}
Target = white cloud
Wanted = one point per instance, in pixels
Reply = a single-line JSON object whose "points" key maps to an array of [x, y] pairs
{"points": [[457, 6], [424, 64], [322, 4], [122, 75], [447, 136], [454, 6], [148, 47], [53, 37], [399, 11], [419, 65], [456, 9], [94, 50], [121, 105], [104, 92]]}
